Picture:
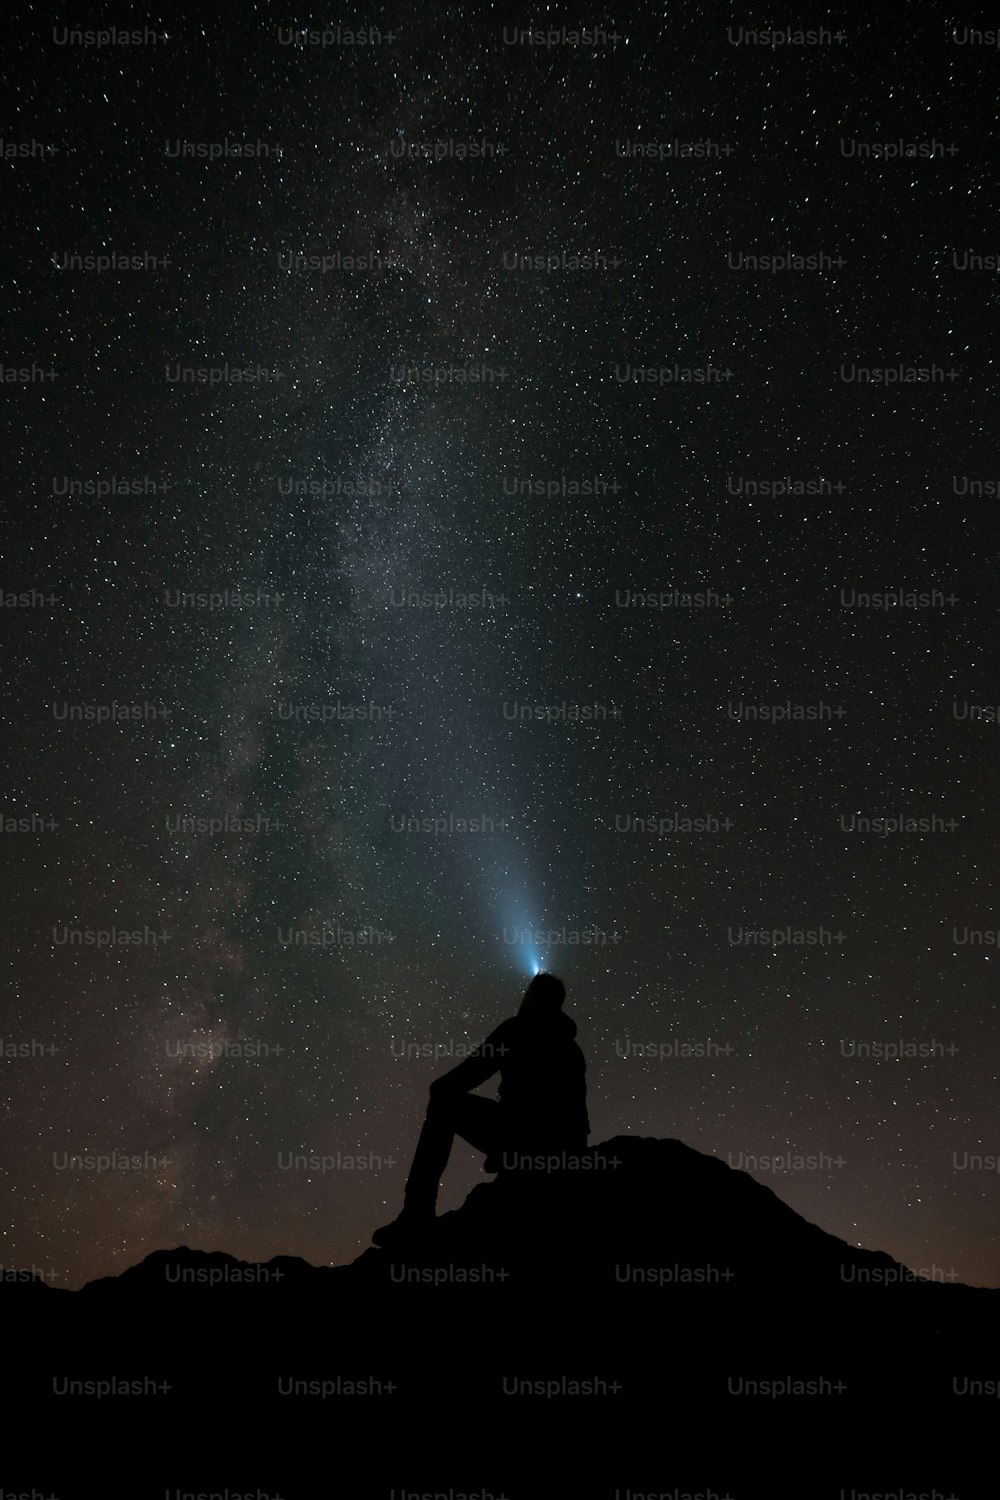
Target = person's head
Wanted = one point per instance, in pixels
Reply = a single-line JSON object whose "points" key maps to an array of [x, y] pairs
{"points": [[544, 994]]}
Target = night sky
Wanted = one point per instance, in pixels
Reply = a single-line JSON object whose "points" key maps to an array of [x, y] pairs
{"points": [[432, 564]]}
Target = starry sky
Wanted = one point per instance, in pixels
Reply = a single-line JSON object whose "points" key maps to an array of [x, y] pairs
{"points": [[376, 681]]}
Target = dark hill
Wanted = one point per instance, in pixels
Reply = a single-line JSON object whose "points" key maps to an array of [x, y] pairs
{"points": [[657, 1268]]}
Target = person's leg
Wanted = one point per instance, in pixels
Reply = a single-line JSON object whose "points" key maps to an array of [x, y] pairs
{"points": [[478, 1122], [472, 1117], [467, 1115]]}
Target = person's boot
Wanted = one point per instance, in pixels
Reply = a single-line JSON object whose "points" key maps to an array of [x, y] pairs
{"points": [[414, 1223]]}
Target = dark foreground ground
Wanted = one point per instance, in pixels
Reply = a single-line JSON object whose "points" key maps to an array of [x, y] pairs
{"points": [[655, 1324]]}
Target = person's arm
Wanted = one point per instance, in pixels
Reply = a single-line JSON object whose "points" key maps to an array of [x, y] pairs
{"points": [[482, 1062]]}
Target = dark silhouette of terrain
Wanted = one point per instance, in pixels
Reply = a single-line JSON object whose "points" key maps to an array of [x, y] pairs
{"points": [[656, 1268]]}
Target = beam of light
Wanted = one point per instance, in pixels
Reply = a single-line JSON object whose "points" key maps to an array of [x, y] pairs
{"points": [[520, 933], [531, 959], [533, 962]]}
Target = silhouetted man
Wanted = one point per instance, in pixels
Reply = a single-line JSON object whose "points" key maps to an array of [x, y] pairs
{"points": [[541, 1104]]}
